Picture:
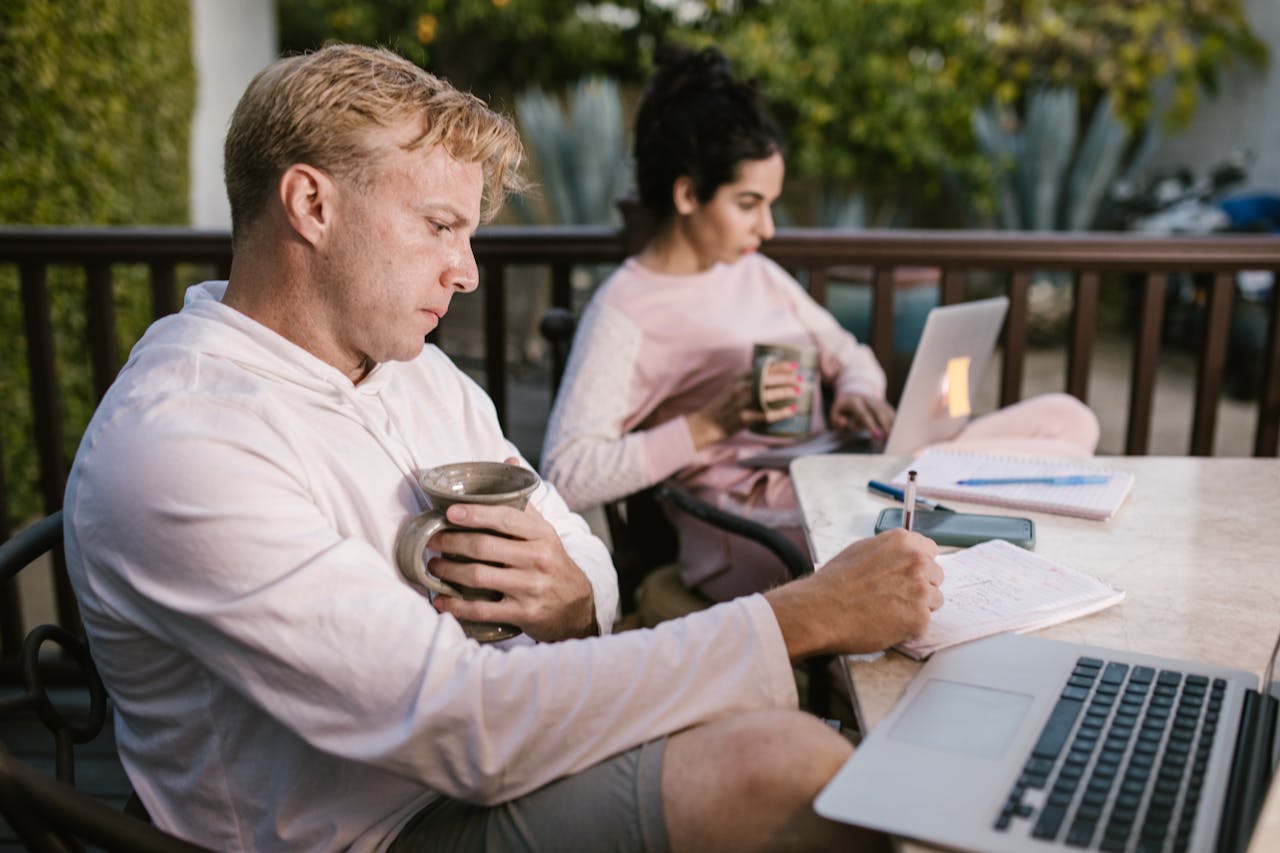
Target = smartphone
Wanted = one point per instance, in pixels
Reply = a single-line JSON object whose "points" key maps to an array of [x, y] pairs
{"points": [[963, 528]]}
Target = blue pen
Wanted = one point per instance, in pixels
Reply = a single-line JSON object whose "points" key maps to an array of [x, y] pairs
{"points": [[1068, 480], [896, 493]]}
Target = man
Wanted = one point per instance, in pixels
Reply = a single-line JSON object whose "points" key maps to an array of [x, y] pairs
{"points": [[231, 520]]}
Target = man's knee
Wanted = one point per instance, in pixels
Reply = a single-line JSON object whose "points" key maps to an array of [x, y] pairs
{"points": [[762, 754], [748, 783]]}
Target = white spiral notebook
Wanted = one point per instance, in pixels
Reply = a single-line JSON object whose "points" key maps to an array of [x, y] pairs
{"points": [[938, 473]]}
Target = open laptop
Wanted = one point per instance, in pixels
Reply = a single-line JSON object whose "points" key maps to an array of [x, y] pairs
{"points": [[955, 347], [1020, 743], [955, 337]]}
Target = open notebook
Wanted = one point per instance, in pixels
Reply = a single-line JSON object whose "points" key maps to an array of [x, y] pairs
{"points": [[996, 587], [938, 470]]}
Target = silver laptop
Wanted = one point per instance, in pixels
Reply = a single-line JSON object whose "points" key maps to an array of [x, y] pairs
{"points": [[1019, 743], [961, 335]]}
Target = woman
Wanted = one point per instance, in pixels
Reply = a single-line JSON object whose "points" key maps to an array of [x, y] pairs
{"points": [[658, 381]]}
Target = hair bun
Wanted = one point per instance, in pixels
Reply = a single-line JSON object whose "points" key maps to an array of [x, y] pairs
{"points": [[682, 70]]}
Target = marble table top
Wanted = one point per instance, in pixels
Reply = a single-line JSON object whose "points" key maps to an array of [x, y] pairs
{"points": [[1196, 547]]}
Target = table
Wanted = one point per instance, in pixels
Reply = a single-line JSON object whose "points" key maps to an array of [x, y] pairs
{"points": [[1196, 547]]}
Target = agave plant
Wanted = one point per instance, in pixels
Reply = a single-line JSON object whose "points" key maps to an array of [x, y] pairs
{"points": [[581, 156], [1049, 177]]}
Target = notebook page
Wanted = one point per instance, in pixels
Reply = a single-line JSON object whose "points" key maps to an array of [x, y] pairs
{"points": [[938, 470], [996, 587]]}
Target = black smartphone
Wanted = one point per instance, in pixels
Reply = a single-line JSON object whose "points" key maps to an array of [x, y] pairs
{"points": [[963, 528]]}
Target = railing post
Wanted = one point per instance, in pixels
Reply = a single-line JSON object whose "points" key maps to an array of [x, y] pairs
{"points": [[495, 337], [164, 287], [10, 602], [1213, 357], [101, 312], [952, 286], [882, 316], [1146, 354], [43, 380], [562, 285], [1084, 322], [818, 285], [47, 412], [1266, 439], [1015, 338]]}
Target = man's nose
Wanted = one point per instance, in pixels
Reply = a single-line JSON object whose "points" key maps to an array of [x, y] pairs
{"points": [[462, 274]]}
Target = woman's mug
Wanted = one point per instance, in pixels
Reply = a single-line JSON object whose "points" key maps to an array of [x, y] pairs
{"points": [[763, 356], [491, 483]]}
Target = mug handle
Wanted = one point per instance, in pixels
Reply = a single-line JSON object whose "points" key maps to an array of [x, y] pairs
{"points": [[410, 548]]}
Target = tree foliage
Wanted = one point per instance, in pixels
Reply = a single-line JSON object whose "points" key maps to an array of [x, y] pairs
{"points": [[874, 94], [871, 93], [1133, 50], [95, 122], [882, 92], [495, 48], [95, 111]]}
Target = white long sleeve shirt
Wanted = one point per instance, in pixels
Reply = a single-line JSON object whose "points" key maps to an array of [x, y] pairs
{"points": [[230, 523]]}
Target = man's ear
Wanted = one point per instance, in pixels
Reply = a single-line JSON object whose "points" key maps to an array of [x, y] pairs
{"points": [[684, 196], [307, 197]]}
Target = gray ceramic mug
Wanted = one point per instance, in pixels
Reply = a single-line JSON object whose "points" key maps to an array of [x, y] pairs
{"points": [[491, 483], [806, 358]]}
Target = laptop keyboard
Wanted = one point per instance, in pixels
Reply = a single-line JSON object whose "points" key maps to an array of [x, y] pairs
{"points": [[1120, 763]]}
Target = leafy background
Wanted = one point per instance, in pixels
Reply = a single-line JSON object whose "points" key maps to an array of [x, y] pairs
{"points": [[95, 114]]}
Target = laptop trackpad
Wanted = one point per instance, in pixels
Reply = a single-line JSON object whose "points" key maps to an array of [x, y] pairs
{"points": [[965, 718]]}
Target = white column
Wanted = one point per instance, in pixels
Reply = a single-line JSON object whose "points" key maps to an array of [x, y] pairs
{"points": [[232, 41]]}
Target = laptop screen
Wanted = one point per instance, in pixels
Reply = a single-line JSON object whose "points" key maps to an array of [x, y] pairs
{"points": [[955, 348]]}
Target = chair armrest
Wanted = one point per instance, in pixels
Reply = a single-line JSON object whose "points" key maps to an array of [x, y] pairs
{"points": [[798, 565], [19, 551]]}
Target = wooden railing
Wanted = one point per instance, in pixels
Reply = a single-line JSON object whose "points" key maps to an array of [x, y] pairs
{"points": [[818, 257]]}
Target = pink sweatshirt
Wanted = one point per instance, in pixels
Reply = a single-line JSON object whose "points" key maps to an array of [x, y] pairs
{"points": [[653, 348]]}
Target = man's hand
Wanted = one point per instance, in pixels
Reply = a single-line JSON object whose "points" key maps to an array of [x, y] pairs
{"points": [[853, 411], [873, 594], [544, 593]]}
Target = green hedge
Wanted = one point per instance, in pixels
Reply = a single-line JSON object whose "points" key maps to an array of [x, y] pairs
{"points": [[96, 99]]}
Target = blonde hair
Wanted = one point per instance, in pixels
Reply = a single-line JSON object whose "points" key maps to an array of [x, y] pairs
{"points": [[321, 109]]}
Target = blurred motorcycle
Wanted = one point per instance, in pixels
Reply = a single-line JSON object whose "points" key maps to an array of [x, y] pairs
{"points": [[1181, 202]]}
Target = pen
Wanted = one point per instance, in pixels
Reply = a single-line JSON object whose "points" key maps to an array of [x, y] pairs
{"points": [[909, 502], [1069, 480], [896, 493]]}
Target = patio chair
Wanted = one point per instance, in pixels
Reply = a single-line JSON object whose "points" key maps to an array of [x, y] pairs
{"points": [[644, 541], [47, 812]]}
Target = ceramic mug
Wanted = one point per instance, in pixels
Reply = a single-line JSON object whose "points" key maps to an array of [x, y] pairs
{"points": [[491, 483], [806, 357]]}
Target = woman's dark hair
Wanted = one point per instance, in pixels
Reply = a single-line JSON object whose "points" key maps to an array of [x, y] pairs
{"points": [[696, 120]]}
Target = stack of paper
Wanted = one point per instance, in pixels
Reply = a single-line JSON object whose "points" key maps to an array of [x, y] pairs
{"points": [[996, 587], [938, 473]]}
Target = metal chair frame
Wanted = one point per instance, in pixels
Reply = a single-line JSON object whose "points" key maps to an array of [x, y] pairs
{"points": [[48, 813]]}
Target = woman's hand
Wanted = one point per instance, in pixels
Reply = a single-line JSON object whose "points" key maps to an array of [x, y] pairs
{"points": [[734, 408], [853, 411]]}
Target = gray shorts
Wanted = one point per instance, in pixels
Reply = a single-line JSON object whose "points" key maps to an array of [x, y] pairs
{"points": [[614, 806]]}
